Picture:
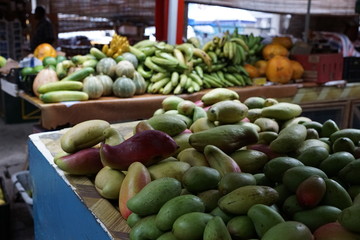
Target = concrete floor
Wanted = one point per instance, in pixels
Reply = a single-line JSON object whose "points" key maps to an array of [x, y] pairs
{"points": [[13, 158]]}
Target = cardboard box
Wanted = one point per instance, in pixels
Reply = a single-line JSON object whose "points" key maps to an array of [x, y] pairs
{"points": [[321, 68]]}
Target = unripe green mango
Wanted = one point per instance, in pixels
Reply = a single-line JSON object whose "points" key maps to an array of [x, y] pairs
{"points": [[241, 199], [174, 169], [250, 161], [182, 140], [175, 208], [225, 216], [282, 111], [167, 123], [233, 180], [296, 175], [335, 162], [132, 219], [228, 138], [154, 195], [227, 112], [276, 167], [167, 236], [336, 195], [83, 135], [349, 218], [343, 144], [264, 217], [318, 216], [267, 124], [289, 139], [200, 178], [201, 124], [216, 229], [350, 173], [352, 133], [254, 102], [145, 228], [191, 226], [171, 102], [329, 127], [313, 156], [210, 198], [291, 206], [193, 157], [108, 182], [288, 230], [217, 95], [241, 227]]}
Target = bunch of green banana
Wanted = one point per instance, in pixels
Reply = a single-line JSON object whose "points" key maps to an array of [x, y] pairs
{"points": [[255, 46], [171, 69]]}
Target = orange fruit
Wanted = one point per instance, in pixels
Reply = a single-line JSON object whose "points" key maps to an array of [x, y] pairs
{"points": [[44, 50], [298, 69], [274, 49], [279, 69]]}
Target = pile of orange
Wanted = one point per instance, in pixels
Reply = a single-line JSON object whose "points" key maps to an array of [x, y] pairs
{"points": [[276, 65]]}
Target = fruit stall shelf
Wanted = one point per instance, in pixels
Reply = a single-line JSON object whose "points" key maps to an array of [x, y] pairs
{"points": [[70, 200], [113, 109], [332, 99]]}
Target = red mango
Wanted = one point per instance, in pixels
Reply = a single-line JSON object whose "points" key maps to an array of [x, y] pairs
{"points": [[136, 178], [334, 231], [311, 191], [265, 149], [147, 147], [84, 162]]}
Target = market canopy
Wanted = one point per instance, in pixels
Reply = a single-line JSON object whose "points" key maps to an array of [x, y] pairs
{"points": [[89, 14], [327, 7]]}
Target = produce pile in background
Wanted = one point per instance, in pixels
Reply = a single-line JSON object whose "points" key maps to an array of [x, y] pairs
{"points": [[122, 70], [224, 169]]}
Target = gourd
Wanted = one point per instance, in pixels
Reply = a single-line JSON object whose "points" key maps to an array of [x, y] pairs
{"points": [[140, 83], [46, 75], [107, 83], [131, 58], [125, 68], [93, 87], [279, 69], [106, 66], [124, 87]]}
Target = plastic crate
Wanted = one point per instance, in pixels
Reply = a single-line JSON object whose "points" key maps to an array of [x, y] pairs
{"points": [[321, 68], [4, 214], [23, 184], [351, 70]]}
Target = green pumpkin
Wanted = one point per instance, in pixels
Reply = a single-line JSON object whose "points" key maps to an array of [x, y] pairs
{"points": [[124, 87], [125, 68], [106, 66], [107, 83], [131, 58], [93, 87], [140, 83]]}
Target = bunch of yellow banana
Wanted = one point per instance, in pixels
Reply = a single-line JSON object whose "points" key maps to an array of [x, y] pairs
{"points": [[171, 69], [117, 46]]}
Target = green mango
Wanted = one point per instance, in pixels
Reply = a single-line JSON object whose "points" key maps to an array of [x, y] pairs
{"points": [[329, 127], [276, 167], [174, 169], [228, 138], [336, 195], [288, 230], [215, 229], [145, 228], [289, 139], [154, 195], [108, 182], [200, 178], [349, 218], [241, 227], [176, 207], [241, 199], [317, 216], [264, 217], [210, 198], [191, 226], [282, 111]]}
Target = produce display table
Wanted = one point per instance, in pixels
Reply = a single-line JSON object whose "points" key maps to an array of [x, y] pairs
{"points": [[65, 206], [114, 109]]}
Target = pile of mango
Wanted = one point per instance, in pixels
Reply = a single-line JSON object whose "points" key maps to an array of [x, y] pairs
{"points": [[221, 168]]}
